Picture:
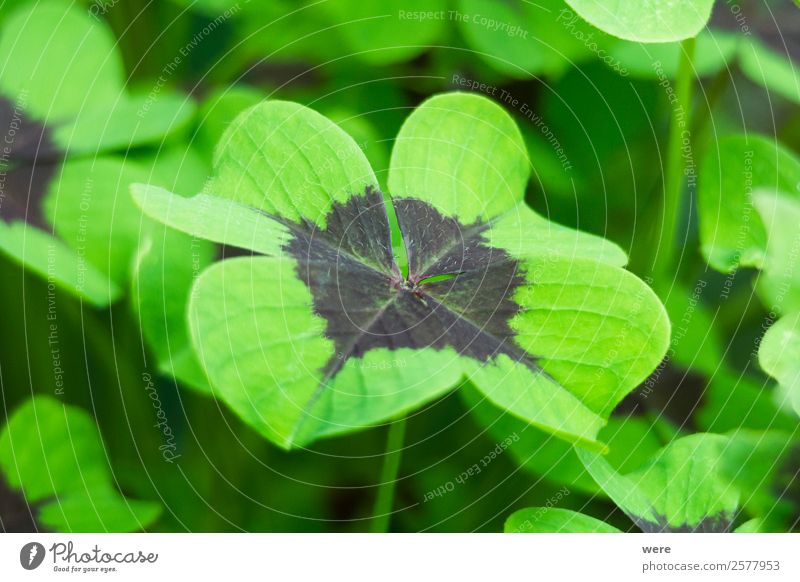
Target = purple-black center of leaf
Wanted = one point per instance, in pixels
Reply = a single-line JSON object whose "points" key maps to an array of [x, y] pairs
{"points": [[458, 293]]}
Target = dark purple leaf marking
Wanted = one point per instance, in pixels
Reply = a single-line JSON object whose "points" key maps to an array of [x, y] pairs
{"points": [[25, 175], [458, 292]]}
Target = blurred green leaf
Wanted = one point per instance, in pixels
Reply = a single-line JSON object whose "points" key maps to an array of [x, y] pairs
{"points": [[731, 232], [554, 520], [714, 51], [779, 281], [54, 456], [523, 39], [680, 489], [775, 71], [779, 356]]}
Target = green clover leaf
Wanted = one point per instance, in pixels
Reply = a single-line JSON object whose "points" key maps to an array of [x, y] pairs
{"points": [[646, 20], [58, 207], [54, 475], [681, 488]]}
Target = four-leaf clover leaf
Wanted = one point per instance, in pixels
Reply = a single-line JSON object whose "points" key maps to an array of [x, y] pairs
{"points": [[319, 331]]}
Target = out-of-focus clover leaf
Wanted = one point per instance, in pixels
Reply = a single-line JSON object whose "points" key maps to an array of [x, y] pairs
{"points": [[734, 400], [764, 465], [47, 49], [732, 233], [60, 217], [680, 489], [779, 281], [54, 475], [325, 335], [73, 224], [219, 109], [771, 69]]}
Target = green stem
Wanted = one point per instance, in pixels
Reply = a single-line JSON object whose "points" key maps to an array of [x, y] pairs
{"points": [[391, 465], [674, 179]]}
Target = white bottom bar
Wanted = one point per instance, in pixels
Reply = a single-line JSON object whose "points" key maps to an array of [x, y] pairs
{"points": [[400, 557]]}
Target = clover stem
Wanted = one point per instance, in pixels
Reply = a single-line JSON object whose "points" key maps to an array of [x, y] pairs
{"points": [[679, 155], [391, 466]]}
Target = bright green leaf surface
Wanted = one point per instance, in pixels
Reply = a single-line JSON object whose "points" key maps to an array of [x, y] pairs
{"points": [[554, 520], [598, 330], [463, 154], [213, 218], [290, 161]]}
